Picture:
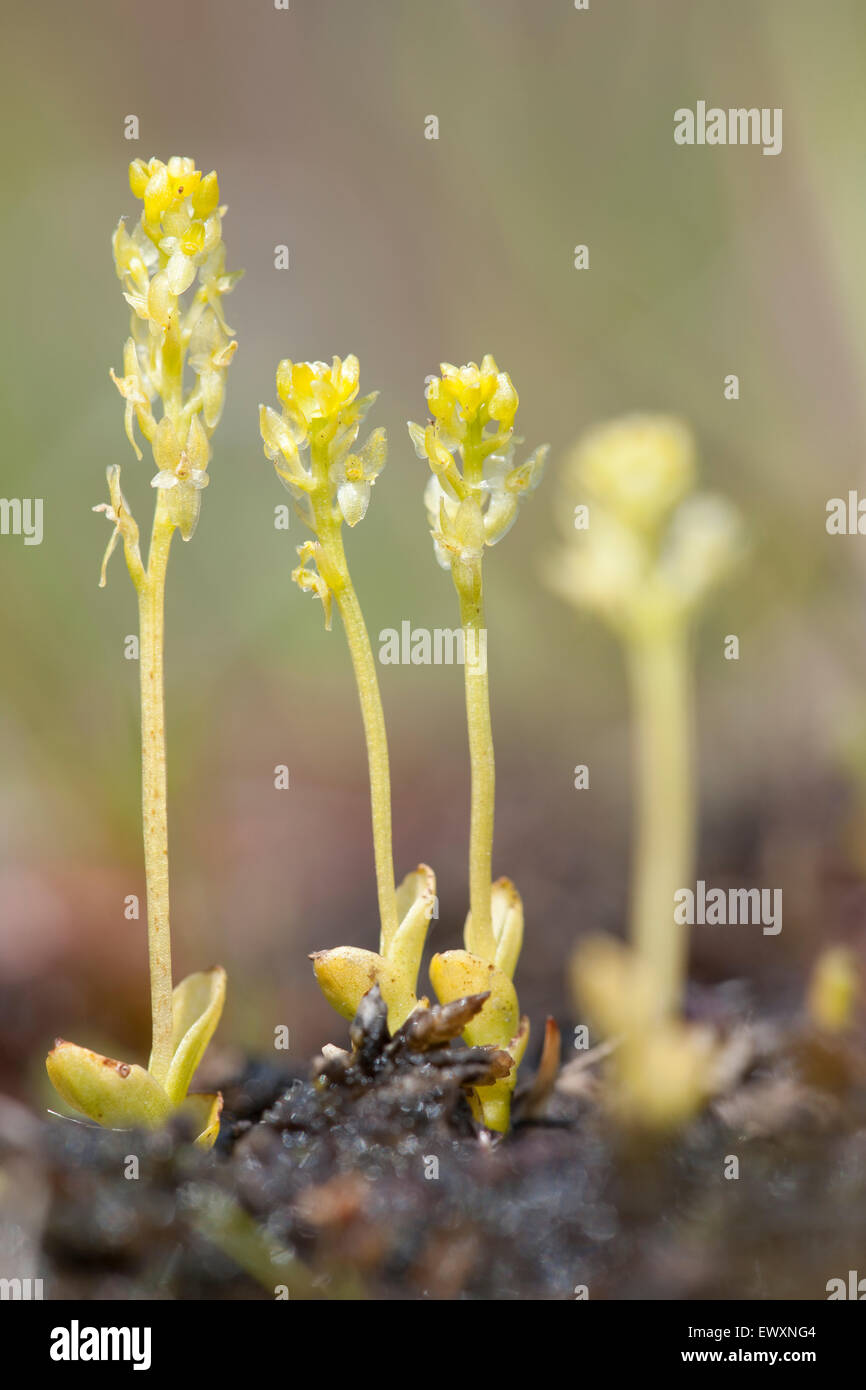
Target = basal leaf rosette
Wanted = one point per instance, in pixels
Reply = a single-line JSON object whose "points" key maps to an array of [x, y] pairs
{"points": [[455, 974], [123, 1095], [346, 973]]}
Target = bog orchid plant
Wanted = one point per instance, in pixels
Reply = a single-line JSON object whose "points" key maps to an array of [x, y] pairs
{"points": [[645, 563], [651, 552], [472, 499], [311, 442], [172, 268]]}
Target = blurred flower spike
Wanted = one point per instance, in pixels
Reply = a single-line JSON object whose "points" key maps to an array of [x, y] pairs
{"points": [[644, 552], [651, 552]]}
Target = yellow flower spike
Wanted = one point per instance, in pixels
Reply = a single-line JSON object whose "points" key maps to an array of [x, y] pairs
{"points": [[118, 1095]]}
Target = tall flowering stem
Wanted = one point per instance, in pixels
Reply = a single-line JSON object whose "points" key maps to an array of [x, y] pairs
{"points": [[172, 268], [651, 551], [660, 679], [331, 561], [472, 499], [311, 443], [177, 241]]}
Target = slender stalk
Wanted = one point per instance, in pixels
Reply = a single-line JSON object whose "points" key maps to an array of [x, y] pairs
{"points": [[479, 938], [335, 568], [659, 671], [373, 716], [151, 607]]}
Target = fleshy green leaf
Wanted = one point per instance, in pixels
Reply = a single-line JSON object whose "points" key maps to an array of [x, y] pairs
{"points": [[457, 973], [507, 919], [347, 973], [416, 899], [118, 1095], [197, 1003], [495, 1100]]}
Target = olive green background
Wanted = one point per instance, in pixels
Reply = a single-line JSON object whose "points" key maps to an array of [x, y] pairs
{"points": [[556, 128]]}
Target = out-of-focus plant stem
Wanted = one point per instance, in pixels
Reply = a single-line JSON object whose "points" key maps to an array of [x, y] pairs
{"points": [[660, 675]]}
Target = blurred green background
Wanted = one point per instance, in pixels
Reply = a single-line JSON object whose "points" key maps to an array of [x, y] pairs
{"points": [[556, 128]]}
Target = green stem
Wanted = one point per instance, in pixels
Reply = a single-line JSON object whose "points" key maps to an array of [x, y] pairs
{"points": [[373, 716], [479, 935], [660, 675], [151, 607], [335, 570]]}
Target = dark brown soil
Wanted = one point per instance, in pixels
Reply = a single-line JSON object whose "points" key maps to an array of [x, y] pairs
{"points": [[372, 1180]]}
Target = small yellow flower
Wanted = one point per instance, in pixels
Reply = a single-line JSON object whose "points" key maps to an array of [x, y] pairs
{"points": [[472, 395], [316, 391]]}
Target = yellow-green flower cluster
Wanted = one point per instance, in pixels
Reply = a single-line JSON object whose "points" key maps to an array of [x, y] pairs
{"points": [[650, 551], [311, 444], [472, 502], [176, 247], [310, 441]]}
